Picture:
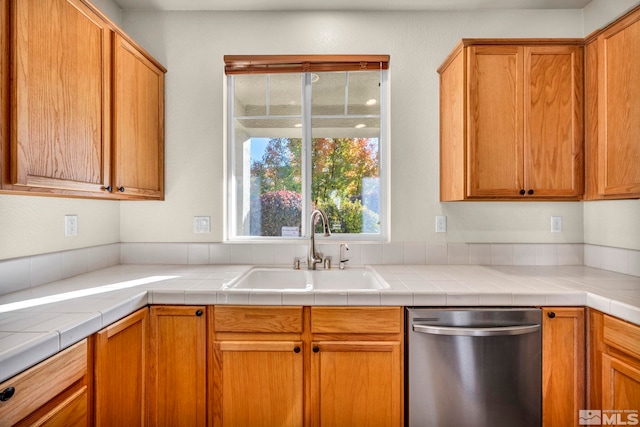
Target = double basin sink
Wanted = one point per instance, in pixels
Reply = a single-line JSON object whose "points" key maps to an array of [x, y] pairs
{"points": [[283, 279]]}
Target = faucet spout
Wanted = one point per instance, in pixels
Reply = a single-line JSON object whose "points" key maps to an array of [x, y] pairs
{"points": [[313, 256]]}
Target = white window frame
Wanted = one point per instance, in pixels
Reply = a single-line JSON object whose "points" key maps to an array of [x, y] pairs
{"points": [[384, 169]]}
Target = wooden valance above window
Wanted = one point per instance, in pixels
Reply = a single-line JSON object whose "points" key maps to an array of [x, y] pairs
{"points": [[267, 64]]}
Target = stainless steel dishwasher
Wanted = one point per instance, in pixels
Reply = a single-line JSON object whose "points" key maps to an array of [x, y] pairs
{"points": [[474, 367]]}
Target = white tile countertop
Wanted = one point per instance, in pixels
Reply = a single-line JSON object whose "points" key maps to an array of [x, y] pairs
{"points": [[39, 322]]}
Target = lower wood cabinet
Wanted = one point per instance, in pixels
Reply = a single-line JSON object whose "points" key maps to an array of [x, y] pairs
{"points": [[614, 369], [177, 366], [563, 365], [55, 392], [315, 366], [258, 365], [357, 366], [120, 372]]}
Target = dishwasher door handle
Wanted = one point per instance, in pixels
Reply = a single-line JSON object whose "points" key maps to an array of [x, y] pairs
{"points": [[476, 332]]}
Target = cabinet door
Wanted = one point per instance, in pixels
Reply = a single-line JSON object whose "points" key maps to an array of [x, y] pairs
{"points": [[620, 385], [553, 121], [70, 412], [138, 97], [494, 121], [563, 365], [121, 372], [60, 95], [356, 383], [39, 389], [619, 109], [177, 366], [259, 383]]}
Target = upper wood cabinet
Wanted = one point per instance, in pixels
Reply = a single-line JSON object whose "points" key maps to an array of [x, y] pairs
{"points": [[138, 127], [613, 110], [511, 120], [84, 105], [59, 90]]}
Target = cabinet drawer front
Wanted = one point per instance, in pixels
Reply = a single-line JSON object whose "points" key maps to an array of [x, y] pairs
{"points": [[38, 385], [379, 320], [258, 319], [622, 335]]}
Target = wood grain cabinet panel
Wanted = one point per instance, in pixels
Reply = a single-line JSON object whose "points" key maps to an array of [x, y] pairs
{"points": [[60, 92], [563, 365], [620, 386], [258, 383], [614, 368], [357, 370], [307, 366], [614, 109], [511, 120], [177, 366], [83, 104], [138, 128], [356, 383], [51, 393], [120, 354], [258, 359]]}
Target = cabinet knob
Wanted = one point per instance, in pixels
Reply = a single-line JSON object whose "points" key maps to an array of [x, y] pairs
{"points": [[7, 394], [315, 349], [551, 315], [121, 189], [530, 192], [296, 349], [199, 313], [109, 188], [522, 192]]}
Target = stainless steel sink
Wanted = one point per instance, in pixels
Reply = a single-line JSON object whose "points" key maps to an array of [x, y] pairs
{"points": [[286, 279]]}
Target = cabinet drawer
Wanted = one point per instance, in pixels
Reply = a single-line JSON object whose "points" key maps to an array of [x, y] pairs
{"points": [[41, 383], [622, 335], [258, 319], [379, 320]]}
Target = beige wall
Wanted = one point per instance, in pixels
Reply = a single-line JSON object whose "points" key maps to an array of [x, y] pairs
{"points": [[191, 46], [34, 225]]}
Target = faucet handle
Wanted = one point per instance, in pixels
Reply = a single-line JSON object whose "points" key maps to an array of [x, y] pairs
{"points": [[297, 262], [344, 248], [327, 263]]}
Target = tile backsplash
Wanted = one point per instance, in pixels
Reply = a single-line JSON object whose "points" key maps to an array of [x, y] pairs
{"points": [[22, 273]]}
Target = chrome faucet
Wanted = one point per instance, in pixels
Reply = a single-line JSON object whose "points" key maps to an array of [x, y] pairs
{"points": [[314, 257]]}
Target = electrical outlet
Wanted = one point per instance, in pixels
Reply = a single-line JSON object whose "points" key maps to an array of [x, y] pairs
{"points": [[71, 225], [441, 224], [556, 224], [202, 224]]}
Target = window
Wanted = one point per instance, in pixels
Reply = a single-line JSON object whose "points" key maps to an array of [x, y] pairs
{"points": [[306, 132]]}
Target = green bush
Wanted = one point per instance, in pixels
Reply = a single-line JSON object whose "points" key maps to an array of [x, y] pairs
{"points": [[273, 210]]}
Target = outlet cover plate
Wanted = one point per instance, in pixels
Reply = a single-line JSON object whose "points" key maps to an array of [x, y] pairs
{"points": [[202, 224], [71, 225]]}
